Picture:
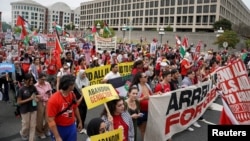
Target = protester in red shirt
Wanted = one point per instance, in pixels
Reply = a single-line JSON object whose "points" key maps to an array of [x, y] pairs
{"points": [[62, 111], [185, 65], [164, 85]]}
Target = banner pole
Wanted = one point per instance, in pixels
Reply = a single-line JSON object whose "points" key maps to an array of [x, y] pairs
{"points": [[109, 116]]}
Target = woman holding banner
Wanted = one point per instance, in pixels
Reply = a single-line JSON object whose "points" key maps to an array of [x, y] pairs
{"points": [[121, 119]]}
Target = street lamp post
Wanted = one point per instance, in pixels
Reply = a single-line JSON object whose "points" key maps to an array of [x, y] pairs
{"points": [[124, 28], [98, 26], [161, 33], [219, 32], [130, 28]]}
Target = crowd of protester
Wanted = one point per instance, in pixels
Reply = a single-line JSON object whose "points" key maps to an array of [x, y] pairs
{"points": [[40, 88]]}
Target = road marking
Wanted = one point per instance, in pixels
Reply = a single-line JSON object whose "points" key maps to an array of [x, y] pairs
{"points": [[208, 122], [215, 107]]}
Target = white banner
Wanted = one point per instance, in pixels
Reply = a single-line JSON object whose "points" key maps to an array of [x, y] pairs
{"points": [[175, 111], [102, 44]]}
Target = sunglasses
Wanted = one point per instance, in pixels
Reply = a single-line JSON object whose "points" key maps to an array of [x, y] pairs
{"points": [[144, 76]]}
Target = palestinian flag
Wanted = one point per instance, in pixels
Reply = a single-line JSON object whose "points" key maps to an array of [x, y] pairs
{"points": [[106, 28], [121, 84], [57, 27]]}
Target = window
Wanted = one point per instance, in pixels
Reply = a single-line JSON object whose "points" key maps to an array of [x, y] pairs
{"points": [[199, 1], [191, 9], [191, 1], [172, 2], [167, 3], [156, 4], [206, 1], [171, 10], [212, 8], [205, 9], [179, 10], [184, 19], [166, 11], [147, 4], [190, 19], [199, 9], [185, 2], [146, 12], [212, 18], [178, 20], [198, 19], [161, 11], [171, 20], [162, 2], [180, 2], [155, 11], [205, 19], [184, 10]]}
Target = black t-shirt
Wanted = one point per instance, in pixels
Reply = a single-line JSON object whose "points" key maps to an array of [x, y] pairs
{"points": [[25, 92], [174, 85]]}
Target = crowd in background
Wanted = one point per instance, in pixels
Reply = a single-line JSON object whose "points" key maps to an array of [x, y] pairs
{"points": [[37, 79]]}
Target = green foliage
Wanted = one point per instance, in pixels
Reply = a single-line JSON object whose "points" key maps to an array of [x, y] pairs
{"points": [[5, 26], [247, 43], [69, 26], [169, 28], [228, 36], [224, 23]]}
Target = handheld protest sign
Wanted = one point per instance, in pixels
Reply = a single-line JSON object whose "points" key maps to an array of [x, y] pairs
{"points": [[99, 94], [114, 135]]}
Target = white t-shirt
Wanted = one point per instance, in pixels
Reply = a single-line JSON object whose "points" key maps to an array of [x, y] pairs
{"points": [[111, 75]]}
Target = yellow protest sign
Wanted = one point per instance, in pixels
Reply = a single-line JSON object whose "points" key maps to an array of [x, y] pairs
{"points": [[115, 135], [96, 95], [96, 75]]}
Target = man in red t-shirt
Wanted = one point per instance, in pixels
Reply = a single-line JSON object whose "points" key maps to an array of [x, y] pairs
{"points": [[164, 86], [62, 111], [185, 65]]}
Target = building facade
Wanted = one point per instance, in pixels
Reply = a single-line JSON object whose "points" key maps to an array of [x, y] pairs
{"points": [[39, 16], [181, 15], [31, 11]]}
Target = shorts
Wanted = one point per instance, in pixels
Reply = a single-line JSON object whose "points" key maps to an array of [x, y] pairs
{"points": [[142, 119]]}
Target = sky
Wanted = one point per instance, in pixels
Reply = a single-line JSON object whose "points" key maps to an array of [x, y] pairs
{"points": [[5, 6]]}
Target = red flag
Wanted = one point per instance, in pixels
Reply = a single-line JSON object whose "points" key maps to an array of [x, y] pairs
{"points": [[185, 42], [198, 47], [224, 119], [93, 29], [57, 54], [21, 22], [178, 42]]}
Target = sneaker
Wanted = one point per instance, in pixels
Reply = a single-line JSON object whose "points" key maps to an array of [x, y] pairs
{"points": [[196, 124], [190, 129], [23, 137], [42, 137], [83, 131]]}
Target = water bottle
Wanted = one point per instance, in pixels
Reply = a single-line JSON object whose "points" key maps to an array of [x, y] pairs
{"points": [[34, 103]]}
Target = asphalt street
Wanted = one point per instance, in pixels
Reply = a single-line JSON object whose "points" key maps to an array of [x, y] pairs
{"points": [[10, 125]]}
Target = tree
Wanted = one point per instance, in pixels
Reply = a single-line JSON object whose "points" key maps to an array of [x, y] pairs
{"points": [[69, 26], [224, 23], [5, 26], [169, 28], [247, 43], [242, 29], [228, 36]]}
